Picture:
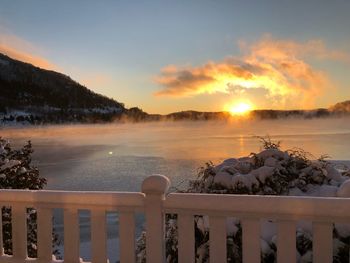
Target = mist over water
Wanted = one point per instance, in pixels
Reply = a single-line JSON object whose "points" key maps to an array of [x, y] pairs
{"points": [[120, 156]]}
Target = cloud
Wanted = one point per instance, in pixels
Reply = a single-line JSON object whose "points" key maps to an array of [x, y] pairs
{"points": [[188, 81], [276, 69], [185, 81], [22, 50], [240, 90], [282, 49]]}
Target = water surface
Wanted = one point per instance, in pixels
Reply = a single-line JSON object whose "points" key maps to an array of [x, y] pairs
{"points": [[120, 156]]}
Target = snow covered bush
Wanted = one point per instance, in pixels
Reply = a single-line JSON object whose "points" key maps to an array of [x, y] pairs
{"points": [[269, 172], [16, 172]]}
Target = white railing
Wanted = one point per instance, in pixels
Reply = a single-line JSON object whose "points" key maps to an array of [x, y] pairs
{"points": [[153, 202]]}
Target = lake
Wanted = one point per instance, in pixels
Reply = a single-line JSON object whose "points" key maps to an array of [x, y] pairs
{"points": [[119, 156]]}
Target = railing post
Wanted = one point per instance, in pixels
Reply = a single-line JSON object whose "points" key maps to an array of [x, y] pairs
{"points": [[155, 187]]}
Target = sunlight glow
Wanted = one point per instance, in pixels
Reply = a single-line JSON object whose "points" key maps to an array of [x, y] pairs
{"points": [[240, 108]]}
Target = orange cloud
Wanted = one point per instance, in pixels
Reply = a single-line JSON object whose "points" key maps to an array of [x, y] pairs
{"points": [[22, 50], [276, 68], [288, 48]]}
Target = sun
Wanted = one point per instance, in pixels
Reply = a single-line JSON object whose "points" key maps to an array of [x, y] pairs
{"points": [[240, 108]]}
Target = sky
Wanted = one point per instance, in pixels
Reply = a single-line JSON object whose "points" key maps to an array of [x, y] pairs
{"points": [[167, 56]]}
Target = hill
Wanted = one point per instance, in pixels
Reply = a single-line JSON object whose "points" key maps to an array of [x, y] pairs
{"points": [[26, 90]]}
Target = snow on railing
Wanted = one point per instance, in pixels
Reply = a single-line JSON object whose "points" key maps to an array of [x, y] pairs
{"points": [[152, 201]]}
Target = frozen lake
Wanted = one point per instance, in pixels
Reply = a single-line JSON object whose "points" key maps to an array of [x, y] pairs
{"points": [[117, 157]]}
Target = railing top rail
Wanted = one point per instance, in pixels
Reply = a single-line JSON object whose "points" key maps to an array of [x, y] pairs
{"points": [[60, 198], [293, 207], [278, 207]]}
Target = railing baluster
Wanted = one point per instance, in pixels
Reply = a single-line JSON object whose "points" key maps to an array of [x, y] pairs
{"points": [[322, 242], [286, 242], [19, 232], [217, 239], [98, 236], [44, 223], [251, 240], [186, 241], [71, 236], [127, 236], [1, 234]]}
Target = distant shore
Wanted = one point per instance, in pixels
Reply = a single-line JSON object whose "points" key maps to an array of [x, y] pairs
{"points": [[79, 116]]}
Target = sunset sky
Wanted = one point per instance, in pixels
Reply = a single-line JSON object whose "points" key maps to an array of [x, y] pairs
{"points": [[166, 56]]}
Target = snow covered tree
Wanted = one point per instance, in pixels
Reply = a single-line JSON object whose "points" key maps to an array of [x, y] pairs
{"points": [[17, 172]]}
